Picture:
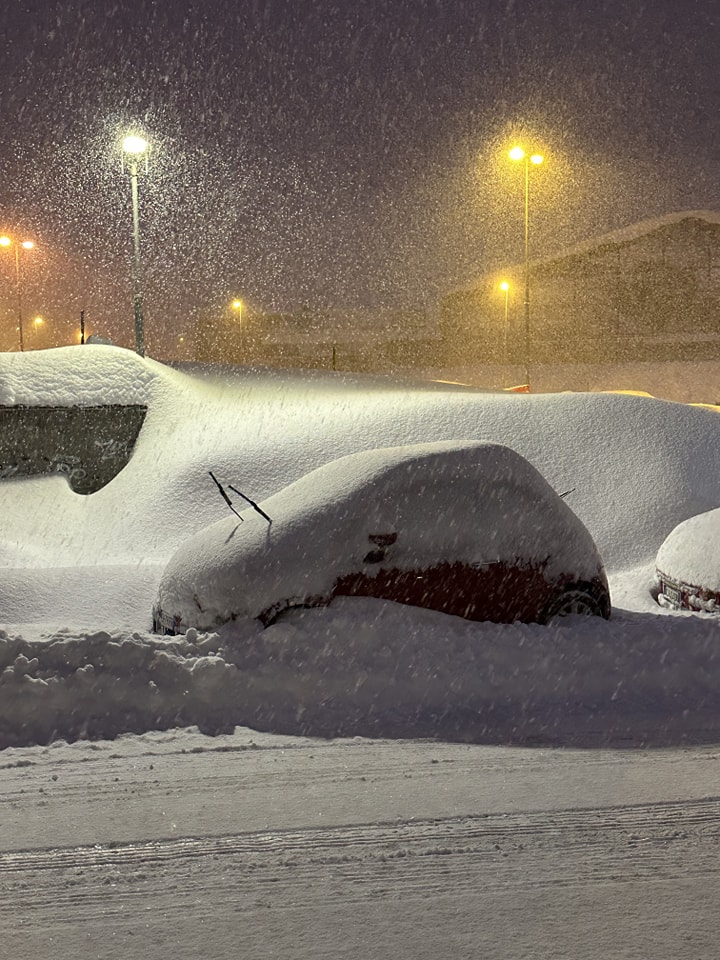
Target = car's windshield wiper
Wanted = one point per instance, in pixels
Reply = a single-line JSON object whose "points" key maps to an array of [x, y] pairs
{"points": [[225, 497], [228, 501], [252, 503]]}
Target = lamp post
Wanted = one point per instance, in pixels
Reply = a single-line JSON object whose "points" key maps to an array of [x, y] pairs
{"points": [[237, 306], [505, 287], [26, 245], [134, 150], [517, 153]]}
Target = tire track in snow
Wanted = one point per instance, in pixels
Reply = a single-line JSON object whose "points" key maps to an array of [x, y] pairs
{"points": [[405, 860]]}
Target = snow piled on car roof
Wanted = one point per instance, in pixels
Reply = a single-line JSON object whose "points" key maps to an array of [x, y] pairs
{"points": [[476, 503], [83, 375]]}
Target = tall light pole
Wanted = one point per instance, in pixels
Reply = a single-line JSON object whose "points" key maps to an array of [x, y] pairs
{"points": [[237, 306], [26, 245], [134, 150], [505, 287], [517, 153]]}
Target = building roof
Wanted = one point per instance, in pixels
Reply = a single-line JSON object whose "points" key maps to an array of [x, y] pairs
{"points": [[632, 232], [619, 237]]}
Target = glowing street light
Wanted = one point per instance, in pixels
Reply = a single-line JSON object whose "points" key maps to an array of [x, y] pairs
{"points": [[38, 323], [135, 149], [505, 287], [25, 245], [237, 306], [518, 154]]}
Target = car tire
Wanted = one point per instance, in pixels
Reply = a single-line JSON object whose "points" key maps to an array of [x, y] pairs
{"points": [[573, 601]]}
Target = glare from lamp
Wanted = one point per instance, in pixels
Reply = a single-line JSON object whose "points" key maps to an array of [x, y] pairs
{"points": [[134, 144]]}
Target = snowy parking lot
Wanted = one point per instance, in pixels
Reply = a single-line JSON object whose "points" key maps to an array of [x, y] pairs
{"points": [[81, 572], [380, 779]]}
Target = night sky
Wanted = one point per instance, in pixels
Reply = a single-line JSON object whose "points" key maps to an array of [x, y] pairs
{"points": [[324, 155]]}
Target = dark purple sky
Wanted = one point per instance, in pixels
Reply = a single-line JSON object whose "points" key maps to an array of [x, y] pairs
{"points": [[340, 153]]}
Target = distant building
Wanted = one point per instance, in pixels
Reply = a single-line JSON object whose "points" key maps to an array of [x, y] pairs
{"points": [[648, 292], [381, 340]]}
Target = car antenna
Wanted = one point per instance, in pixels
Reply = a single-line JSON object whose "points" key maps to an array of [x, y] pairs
{"points": [[567, 493], [252, 503], [225, 497]]}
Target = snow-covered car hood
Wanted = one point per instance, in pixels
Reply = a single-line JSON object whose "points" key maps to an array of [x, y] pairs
{"points": [[474, 502]]}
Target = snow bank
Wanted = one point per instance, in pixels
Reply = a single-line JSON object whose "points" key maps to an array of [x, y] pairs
{"points": [[373, 668], [79, 572]]}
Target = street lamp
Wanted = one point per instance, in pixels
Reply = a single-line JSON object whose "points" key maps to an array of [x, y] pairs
{"points": [[517, 153], [505, 287], [134, 150], [38, 323], [26, 245], [237, 306]]}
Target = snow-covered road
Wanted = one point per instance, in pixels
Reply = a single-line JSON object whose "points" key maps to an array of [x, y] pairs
{"points": [[172, 846]]}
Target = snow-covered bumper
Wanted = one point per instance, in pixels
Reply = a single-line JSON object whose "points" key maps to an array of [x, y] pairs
{"points": [[677, 595]]}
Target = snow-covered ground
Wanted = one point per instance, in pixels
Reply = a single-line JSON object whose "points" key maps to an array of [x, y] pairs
{"points": [[80, 573]]}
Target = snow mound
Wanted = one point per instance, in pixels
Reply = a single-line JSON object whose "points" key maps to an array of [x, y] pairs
{"points": [[85, 375], [691, 552], [371, 668]]}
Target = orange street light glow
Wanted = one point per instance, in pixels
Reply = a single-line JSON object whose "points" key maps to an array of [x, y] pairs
{"points": [[517, 153], [8, 242]]}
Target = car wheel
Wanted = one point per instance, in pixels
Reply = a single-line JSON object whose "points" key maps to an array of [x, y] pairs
{"points": [[573, 601]]}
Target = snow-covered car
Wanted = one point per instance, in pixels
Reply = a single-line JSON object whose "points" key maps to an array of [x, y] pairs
{"points": [[466, 528], [688, 565]]}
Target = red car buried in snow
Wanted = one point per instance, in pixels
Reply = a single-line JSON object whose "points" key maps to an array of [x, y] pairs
{"points": [[466, 528]]}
